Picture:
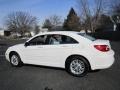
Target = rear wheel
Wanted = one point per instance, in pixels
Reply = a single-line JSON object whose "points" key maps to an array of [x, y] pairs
{"points": [[15, 60], [77, 66]]}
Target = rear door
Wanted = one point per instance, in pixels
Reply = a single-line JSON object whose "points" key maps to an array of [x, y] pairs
{"points": [[58, 47]]}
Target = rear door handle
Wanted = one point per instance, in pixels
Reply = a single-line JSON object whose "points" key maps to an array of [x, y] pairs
{"points": [[40, 47]]}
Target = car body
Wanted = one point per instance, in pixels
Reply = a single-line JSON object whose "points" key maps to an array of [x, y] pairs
{"points": [[56, 49]]}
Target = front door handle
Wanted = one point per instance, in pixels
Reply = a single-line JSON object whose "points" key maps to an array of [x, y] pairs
{"points": [[64, 46]]}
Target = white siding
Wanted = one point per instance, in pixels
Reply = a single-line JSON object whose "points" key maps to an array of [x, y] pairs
{"points": [[2, 32]]}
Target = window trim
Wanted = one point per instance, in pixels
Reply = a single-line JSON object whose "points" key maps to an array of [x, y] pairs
{"points": [[46, 43], [63, 43]]}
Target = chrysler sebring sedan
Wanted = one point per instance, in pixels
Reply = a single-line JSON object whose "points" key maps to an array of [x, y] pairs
{"points": [[77, 53]]}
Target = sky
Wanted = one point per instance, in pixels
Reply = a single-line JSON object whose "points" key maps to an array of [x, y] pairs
{"points": [[39, 8]]}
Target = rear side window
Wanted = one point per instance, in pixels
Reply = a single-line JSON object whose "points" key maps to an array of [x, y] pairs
{"points": [[87, 36], [68, 40]]}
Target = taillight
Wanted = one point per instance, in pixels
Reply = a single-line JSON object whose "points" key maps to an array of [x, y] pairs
{"points": [[103, 48]]}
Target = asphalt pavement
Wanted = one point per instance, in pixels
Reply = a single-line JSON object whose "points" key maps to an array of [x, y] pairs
{"points": [[31, 77]]}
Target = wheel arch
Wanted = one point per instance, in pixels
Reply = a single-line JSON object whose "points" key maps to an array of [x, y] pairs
{"points": [[87, 61], [11, 53]]}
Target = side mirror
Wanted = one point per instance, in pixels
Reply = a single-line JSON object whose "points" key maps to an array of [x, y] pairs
{"points": [[26, 44]]}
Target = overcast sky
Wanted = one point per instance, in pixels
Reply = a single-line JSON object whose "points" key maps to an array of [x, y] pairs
{"points": [[39, 8]]}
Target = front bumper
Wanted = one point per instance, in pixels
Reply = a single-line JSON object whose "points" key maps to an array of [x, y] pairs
{"points": [[7, 55]]}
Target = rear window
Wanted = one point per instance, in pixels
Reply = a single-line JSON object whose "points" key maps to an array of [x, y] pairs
{"points": [[87, 36]]}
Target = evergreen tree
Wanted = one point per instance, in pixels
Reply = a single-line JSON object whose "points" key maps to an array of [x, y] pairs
{"points": [[47, 24], [72, 23], [37, 29]]}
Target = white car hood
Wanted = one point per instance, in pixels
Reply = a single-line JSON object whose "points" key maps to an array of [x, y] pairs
{"points": [[17, 46]]}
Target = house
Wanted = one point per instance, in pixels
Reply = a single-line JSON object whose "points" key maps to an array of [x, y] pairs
{"points": [[4, 32], [7, 33]]}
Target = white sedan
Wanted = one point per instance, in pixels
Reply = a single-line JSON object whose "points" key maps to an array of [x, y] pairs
{"points": [[77, 53]]}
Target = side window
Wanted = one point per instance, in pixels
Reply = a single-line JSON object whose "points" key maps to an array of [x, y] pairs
{"points": [[60, 39], [68, 40], [55, 39], [40, 40]]}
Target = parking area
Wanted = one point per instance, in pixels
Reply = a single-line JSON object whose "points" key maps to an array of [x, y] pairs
{"points": [[31, 77]]}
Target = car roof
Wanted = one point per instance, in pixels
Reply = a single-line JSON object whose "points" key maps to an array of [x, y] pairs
{"points": [[59, 32], [69, 33], [74, 35]]}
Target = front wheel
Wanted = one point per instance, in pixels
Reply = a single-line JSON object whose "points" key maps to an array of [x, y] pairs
{"points": [[15, 60], [77, 66]]}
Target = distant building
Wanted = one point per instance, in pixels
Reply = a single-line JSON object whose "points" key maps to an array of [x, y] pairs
{"points": [[16, 34], [1, 32], [41, 31], [83, 31], [7, 33], [13, 34], [4, 32]]}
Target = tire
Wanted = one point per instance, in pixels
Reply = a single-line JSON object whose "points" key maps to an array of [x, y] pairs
{"points": [[77, 66], [15, 60]]}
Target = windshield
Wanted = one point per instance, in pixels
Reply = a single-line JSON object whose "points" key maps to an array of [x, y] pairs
{"points": [[87, 36]]}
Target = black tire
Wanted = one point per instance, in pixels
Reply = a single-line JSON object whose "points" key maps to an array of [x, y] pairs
{"points": [[15, 62], [82, 67]]}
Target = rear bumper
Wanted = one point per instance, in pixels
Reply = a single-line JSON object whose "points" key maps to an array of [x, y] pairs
{"points": [[103, 61]]}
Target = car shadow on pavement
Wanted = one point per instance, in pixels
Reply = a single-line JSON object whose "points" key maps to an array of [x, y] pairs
{"points": [[94, 71], [47, 67], [57, 68]]}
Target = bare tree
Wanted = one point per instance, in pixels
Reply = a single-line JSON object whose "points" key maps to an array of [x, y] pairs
{"points": [[55, 20], [20, 22], [115, 13], [52, 22], [90, 15]]}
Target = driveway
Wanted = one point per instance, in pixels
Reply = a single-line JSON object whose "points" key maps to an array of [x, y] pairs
{"points": [[30, 77]]}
